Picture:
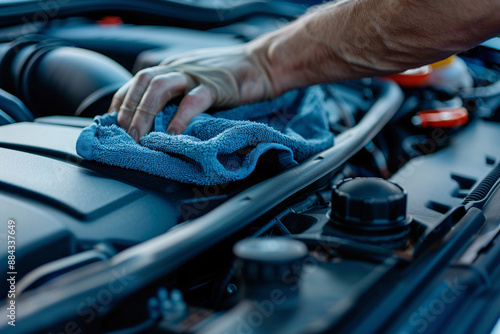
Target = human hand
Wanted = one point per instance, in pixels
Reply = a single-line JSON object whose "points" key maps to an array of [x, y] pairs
{"points": [[217, 77]]}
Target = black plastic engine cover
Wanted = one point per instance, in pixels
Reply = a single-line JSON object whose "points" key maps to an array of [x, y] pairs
{"points": [[62, 204]]}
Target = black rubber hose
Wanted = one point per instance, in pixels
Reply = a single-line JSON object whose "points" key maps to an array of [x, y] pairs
{"points": [[5, 118], [53, 78], [7, 56], [14, 107], [68, 76]]}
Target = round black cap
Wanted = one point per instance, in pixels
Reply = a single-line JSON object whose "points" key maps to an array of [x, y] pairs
{"points": [[268, 259], [369, 202]]}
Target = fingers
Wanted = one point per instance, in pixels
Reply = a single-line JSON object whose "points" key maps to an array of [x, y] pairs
{"points": [[118, 97], [144, 96], [160, 90], [195, 102], [131, 97]]}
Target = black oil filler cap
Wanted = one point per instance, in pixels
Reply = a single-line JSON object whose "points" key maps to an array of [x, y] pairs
{"points": [[369, 203]]}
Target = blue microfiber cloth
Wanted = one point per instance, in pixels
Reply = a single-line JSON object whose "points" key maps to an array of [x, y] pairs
{"points": [[221, 147]]}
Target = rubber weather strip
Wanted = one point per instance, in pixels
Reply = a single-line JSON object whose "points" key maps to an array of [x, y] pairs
{"points": [[480, 193], [136, 267]]}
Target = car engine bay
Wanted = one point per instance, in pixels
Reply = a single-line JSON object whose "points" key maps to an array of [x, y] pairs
{"points": [[392, 230]]}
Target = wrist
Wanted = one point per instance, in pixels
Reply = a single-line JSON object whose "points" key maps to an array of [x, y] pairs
{"points": [[303, 53], [275, 53], [258, 51]]}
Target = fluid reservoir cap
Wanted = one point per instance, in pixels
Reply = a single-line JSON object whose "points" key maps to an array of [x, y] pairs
{"points": [[441, 118], [417, 77], [266, 260], [369, 203]]}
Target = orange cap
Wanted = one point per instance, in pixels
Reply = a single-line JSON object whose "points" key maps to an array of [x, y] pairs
{"points": [[441, 118], [417, 77]]}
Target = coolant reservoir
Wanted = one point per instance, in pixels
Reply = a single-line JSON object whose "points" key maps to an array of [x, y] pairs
{"points": [[451, 75]]}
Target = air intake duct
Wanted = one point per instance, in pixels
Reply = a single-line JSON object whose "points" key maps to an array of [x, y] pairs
{"points": [[54, 78]]}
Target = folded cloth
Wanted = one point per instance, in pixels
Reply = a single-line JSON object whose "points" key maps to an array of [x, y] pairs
{"points": [[221, 147]]}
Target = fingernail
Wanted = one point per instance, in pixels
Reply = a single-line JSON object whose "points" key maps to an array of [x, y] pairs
{"points": [[171, 130], [133, 134], [112, 111]]}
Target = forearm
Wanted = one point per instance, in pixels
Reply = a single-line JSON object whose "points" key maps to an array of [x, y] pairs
{"points": [[358, 38]]}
